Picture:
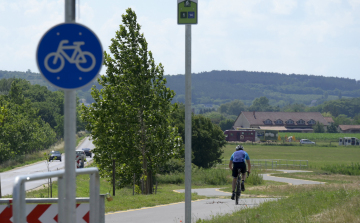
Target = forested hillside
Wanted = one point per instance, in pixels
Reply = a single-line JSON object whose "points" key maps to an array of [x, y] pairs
{"points": [[36, 78], [31, 118], [218, 87]]}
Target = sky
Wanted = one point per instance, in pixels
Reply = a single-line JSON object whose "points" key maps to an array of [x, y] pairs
{"points": [[315, 37]]}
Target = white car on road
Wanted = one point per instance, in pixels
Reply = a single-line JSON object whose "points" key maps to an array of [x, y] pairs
{"points": [[306, 141]]}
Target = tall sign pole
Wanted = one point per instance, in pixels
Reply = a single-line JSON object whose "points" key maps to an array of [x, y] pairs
{"points": [[187, 14], [69, 136], [69, 70], [188, 123]]}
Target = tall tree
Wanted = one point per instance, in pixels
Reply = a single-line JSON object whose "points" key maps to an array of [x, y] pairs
{"points": [[226, 124], [207, 138], [318, 127], [262, 104], [207, 142], [129, 120], [332, 128]]}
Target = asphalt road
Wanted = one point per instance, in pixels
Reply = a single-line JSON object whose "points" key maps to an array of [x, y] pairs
{"points": [[8, 177]]}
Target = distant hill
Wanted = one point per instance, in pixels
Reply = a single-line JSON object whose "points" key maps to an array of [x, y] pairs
{"points": [[218, 87], [36, 78]]}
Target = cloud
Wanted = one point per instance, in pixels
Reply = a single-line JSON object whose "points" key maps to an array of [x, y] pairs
{"points": [[284, 6], [290, 36], [354, 3], [2, 6], [86, 12]]}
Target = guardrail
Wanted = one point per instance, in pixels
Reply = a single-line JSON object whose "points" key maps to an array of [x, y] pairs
{"points": [[272, 163], [97, 214], [49, 200]]}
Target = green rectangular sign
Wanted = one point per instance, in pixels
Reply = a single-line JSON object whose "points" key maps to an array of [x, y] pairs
{"points": [[187, 12]]}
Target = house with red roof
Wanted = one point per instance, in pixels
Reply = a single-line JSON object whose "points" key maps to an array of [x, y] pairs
{"points": [[281, 121]]}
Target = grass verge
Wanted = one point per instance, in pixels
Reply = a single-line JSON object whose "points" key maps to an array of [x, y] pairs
{"points": [[123, 199], [304, 204], [352, 169]]}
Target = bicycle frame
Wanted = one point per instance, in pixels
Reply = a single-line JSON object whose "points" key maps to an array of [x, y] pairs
{"points": [[75, 47]]}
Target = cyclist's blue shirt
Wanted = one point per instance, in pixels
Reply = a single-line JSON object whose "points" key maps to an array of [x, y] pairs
{"points": [[239, 156]]}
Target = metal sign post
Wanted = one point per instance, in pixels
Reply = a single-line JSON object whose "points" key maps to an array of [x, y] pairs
{"points": [[69, 207], [188, 124], [69, 56], [187, 15]]}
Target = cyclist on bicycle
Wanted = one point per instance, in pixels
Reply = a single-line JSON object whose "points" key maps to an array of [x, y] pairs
{"points": [[238, 159]]}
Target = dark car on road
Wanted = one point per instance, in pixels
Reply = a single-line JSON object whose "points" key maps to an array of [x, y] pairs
{"points": [[55, 155], [87, 152]]}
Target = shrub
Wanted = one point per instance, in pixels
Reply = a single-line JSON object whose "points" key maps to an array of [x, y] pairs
{"points": [[255, 178], [172, 178], [213, 176], [199, 176], [353, 169], [173, 166]]}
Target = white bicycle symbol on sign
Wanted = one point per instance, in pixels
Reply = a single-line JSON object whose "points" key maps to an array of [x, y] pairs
{"points": [[77, 57]]}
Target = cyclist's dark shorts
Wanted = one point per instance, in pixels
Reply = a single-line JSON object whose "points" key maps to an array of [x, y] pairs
{"points": [[241, 166]]}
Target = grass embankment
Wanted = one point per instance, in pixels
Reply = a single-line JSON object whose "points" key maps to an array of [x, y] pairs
{"points": [[23, 160], [336, 201], [324, 203]]}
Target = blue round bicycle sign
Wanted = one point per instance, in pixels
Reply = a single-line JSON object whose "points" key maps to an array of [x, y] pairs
{"points": [[69, 55]]}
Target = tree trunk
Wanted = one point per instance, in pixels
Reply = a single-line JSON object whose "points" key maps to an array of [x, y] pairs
{"points": [[149, 182], [146, 172]]}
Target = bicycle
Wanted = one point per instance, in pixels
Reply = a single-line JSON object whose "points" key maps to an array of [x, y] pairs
{"points": [[77, 57], [238, 186]]}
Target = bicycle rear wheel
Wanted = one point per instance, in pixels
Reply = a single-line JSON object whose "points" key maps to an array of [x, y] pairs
{"points": [[238, 191]]}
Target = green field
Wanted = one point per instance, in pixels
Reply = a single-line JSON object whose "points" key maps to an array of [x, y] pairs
{"points": [[319, 137], [318, 156]]}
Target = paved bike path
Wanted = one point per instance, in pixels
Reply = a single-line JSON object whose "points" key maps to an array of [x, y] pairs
{"points": [[209, 192], [203, 209], [291, 181], [175, 212]]}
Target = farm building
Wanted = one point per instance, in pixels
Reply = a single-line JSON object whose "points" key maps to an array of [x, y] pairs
{"points": [[280, 121], [349, 128]]}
